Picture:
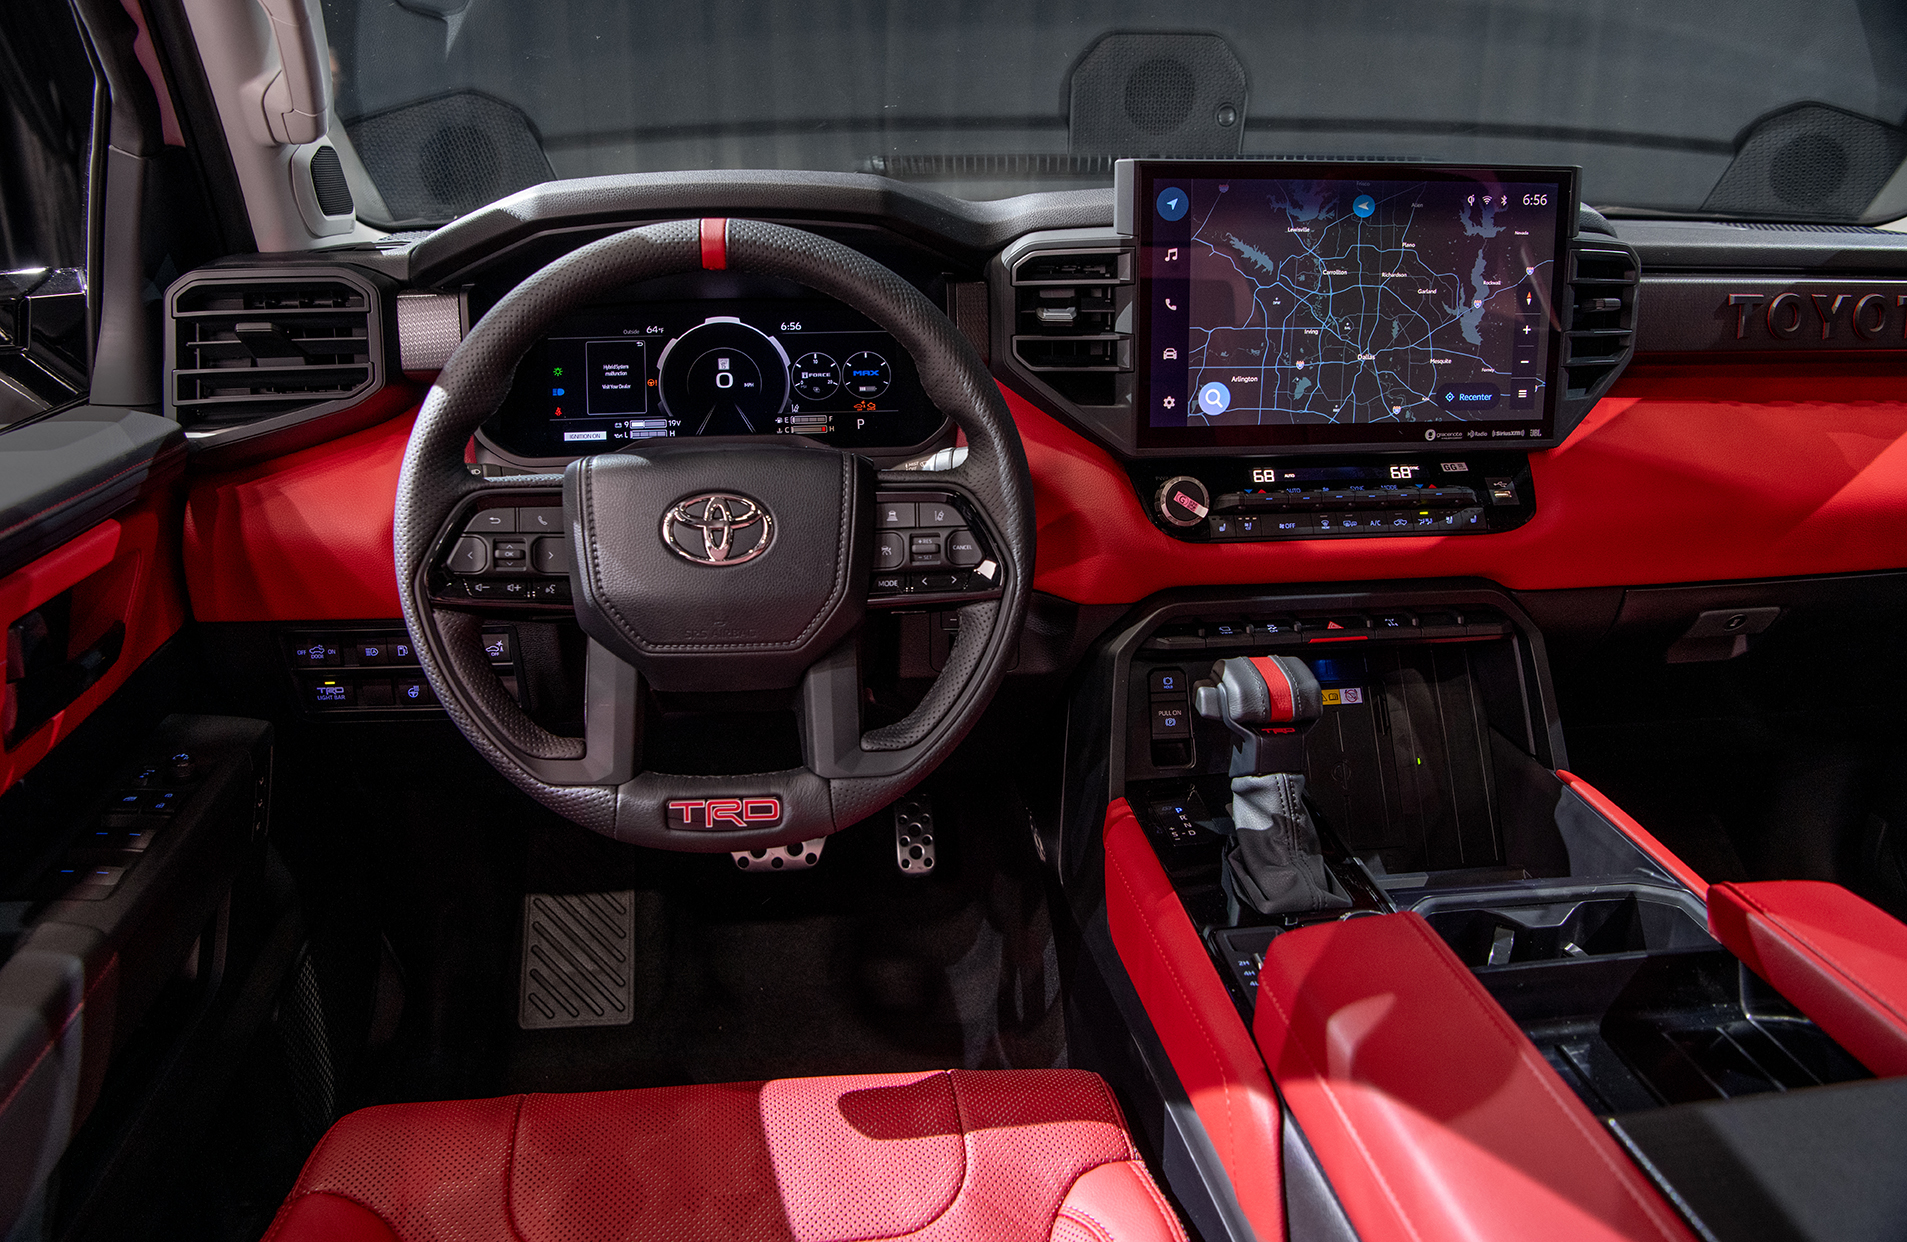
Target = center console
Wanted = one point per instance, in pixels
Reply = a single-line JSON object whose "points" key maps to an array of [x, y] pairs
{"points": [[1431, 781]]}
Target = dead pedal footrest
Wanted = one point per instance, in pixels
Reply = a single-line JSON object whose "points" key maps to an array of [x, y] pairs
{"points": [[578, 950]]}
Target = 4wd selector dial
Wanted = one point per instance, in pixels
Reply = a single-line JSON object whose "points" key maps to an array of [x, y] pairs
{"points": [[1183, 501]]}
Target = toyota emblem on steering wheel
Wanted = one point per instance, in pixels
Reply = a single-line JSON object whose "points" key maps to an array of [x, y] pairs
{"points": [[718, 528]]}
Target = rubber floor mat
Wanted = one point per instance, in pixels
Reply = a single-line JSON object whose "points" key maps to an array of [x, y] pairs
{"points": [[577, 953]]}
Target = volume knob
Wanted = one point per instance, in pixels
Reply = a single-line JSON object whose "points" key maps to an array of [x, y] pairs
{"points": [[1183, 501]]}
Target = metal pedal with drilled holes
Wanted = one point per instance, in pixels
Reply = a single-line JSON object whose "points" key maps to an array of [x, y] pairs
{"points": [[578, 950], [914, 836], [797, 857]]}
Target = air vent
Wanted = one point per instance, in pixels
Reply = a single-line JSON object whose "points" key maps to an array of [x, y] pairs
{"points": [[1600, 334], [1067, 310], [250, 349]]}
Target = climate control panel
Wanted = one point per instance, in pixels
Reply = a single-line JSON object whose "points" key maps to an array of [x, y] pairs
{"points": [[1229, 500]]}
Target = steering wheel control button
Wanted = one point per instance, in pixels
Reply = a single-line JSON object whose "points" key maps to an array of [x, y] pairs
{"points": [[718, 528], [492, 522], [888, 584], [1183, 502], [963, 550], [550, 555], [890, 550], [471, 555], [923, 551], [894, 514], [540, 521], [509, 554], [937, 514]]}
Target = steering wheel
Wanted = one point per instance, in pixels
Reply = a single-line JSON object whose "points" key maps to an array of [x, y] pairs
{"points": [[740, 564]]}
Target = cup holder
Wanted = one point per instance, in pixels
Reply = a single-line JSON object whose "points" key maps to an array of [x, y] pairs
{"points": [[1579, 927]]}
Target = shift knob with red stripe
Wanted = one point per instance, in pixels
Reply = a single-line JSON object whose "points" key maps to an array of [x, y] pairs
{"points": [[1266, 702]]}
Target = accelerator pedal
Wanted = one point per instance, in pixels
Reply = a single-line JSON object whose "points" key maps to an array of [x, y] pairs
{"points": [[578, 951], [914, 836]]}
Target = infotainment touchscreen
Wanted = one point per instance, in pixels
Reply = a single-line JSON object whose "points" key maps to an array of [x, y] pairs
{"points": [[1291, 304]]}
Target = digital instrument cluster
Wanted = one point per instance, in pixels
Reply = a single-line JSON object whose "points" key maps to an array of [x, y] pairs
{"points": [[613, 375]]}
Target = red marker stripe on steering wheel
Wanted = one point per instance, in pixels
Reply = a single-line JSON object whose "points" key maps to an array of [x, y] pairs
{"points": [[715, 243]]}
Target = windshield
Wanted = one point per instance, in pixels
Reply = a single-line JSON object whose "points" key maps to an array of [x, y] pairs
{"points": [[1758, 109]]}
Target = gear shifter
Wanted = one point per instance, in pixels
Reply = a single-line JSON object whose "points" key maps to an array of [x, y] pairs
{"points": [[1275, 863]]}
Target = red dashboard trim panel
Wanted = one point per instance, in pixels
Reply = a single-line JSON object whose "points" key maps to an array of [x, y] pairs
{"points": [[1690, 473], [1205, 1039], [1686, 473], [305, 537]]}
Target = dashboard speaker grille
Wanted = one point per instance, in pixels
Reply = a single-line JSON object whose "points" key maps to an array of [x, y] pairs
{"points": [[328, 184], [1158, 94]]}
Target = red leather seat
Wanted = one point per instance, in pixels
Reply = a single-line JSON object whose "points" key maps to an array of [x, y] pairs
{"points": [[1035, 1154]]}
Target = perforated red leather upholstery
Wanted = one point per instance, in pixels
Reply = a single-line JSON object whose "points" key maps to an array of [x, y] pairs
{"points": [[1041, 1155]]}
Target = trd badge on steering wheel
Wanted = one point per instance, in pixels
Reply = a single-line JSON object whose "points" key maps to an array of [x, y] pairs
{"points": [[718, 528]]}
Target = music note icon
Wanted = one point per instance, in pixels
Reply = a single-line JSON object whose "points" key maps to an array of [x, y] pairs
{"points": [[1172, 254]]}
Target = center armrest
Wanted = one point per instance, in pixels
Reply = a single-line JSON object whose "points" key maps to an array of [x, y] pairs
{"points": [[1433, 1115]]}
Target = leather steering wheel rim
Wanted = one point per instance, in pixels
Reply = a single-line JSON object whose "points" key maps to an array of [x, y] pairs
{"points": [[848, 774]]}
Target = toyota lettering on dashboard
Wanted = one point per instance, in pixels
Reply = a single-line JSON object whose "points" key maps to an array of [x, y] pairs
{"points": [[727, 812]]}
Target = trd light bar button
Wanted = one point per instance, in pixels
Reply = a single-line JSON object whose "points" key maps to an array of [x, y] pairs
{"points": [[550, 556], [890, 550], [334, 694], [470, 556], [492, 521], [963, 550]]}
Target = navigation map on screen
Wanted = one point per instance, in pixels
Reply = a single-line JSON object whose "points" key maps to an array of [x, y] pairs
{"points": [[1349, 303]]}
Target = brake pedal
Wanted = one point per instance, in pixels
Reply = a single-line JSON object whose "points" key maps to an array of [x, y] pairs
{"points": [[797, 857], [914, 836]]}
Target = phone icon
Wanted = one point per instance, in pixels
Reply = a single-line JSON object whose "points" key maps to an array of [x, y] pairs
{"points": [[1169, 305]]}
